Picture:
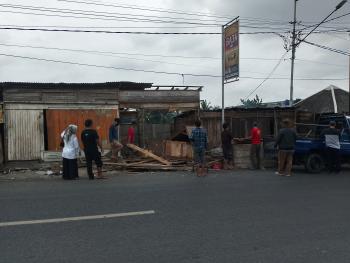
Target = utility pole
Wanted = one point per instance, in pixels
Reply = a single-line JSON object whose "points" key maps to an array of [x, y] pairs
{"points": [[293, 55], [223, 75], [294, 44]]}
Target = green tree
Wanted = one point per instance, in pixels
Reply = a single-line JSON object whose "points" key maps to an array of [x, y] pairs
{"points": [[206, 105], [252, 103]]}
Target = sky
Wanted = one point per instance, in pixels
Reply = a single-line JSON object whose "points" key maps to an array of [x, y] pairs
{"points": [[175, 57]]}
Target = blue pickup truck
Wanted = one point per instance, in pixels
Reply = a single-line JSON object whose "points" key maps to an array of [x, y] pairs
{"points": [[309, 149]]}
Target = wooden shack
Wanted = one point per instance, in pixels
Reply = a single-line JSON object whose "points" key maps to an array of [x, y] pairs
{"points": [[35, 114]]}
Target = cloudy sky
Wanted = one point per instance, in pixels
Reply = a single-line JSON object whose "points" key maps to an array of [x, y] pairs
{"points": [[180, 54]]}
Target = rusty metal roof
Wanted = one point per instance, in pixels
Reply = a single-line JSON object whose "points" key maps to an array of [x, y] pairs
{"points": [[122, 85]]}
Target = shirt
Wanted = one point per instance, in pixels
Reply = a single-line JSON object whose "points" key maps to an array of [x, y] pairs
{"points": [[256, 135], [113, 133], [199, 138], [131, 135], [89, 137], [331, 137], [286, 139], [71, 148], [226, 138]]}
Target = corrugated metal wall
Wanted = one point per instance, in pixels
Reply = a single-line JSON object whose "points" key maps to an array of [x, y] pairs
{"points": [[25, 137], [58, 120]]}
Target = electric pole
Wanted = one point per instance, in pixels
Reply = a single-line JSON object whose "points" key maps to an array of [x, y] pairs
{"points": [[293, 55]]}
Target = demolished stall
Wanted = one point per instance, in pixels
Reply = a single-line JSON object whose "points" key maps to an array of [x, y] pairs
{"points": [[35, 114], [240, 121], [154, 111]]}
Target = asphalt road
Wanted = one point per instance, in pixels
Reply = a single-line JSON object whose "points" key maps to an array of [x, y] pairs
{"points": [[240, 216]]}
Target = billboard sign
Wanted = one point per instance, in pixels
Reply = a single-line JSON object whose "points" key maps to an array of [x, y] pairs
{"points": [[231, 46]]}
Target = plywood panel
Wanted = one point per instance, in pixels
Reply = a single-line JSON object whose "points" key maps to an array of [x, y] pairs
{"points": [[58, 120], [24, 134]]}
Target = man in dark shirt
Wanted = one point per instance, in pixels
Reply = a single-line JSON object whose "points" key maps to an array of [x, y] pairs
{"points": [[91, 142], [331, 137], [285, 142], [226, 141]]}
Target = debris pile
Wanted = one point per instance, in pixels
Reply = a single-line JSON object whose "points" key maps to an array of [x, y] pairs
{"points": [[148, 161]]}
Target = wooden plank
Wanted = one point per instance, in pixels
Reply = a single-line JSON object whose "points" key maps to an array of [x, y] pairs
{"points": [[148, 154], [149, 167]]}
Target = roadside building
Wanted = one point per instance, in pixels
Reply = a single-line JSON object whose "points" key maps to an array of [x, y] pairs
{"points": [[36, 113]]}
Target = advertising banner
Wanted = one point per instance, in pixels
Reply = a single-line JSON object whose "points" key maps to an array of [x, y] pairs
{"points": [[232, 51]]}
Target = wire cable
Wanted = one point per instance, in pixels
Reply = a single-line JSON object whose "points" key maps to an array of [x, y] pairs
{"points": [[141, 8], [102, 14], [108, 67], [268, 76], [107, 31], [107, 19], [328, 48], [125, 32]]}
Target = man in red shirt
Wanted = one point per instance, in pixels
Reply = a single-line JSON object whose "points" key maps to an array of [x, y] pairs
{"points": [[255, 136], [131, 133]]}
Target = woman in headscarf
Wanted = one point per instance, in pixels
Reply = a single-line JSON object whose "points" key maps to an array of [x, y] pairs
{"points": [[70, 152]]}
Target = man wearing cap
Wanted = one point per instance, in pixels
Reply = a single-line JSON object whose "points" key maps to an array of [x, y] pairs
{"points": [[331, 137]]}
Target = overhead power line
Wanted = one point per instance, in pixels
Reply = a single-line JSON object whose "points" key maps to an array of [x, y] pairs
{"points": [[118, 55], [301, 79], [20, 28], [327, 21], [156, 72], [108, 67], [89, 51], [269, 75], [342, 52], [107, 19], [106, 27], [143, 8], [141, 17], [106, 31], [101, 53]]}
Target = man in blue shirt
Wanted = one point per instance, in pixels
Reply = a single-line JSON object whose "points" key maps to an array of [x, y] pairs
{"points": [[199, 139], [116, 146]]}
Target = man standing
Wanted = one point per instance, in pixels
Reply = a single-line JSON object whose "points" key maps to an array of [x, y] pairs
{"points": [[91, 142], [131, 133], [116, 146], [331, 136], [285, 142], [199, 139], [226, 141], [255, 136]]}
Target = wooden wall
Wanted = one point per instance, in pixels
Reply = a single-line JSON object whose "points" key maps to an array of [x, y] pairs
{"points": [[67, 96], [58, 120], [25, 134], [240, 121]]}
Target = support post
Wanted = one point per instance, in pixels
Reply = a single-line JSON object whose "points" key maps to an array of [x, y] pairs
{"points": [[223, 75]]}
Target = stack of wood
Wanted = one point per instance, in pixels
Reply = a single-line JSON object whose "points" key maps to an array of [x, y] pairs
{"points": [[148, 161]]}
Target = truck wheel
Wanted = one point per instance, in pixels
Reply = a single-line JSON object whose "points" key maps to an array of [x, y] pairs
{"points": [[314, 163]]}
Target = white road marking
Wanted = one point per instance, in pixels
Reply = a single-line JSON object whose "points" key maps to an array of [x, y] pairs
{"points": [[78, 218]]}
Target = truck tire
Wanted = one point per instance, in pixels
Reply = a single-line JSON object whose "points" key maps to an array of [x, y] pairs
{"points": [[314, 163]]}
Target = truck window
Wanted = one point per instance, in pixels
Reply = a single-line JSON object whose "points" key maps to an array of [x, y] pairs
{"points": [[345, 135]]}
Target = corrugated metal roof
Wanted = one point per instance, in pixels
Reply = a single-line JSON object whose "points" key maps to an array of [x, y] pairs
{"points": [[322, 101], [122, 85]]}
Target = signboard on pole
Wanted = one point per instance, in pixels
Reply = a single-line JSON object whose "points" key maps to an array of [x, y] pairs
{"points": [[231, 46]]}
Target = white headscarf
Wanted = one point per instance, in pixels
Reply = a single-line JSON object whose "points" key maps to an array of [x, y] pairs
{"points": [[69, 131]]}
